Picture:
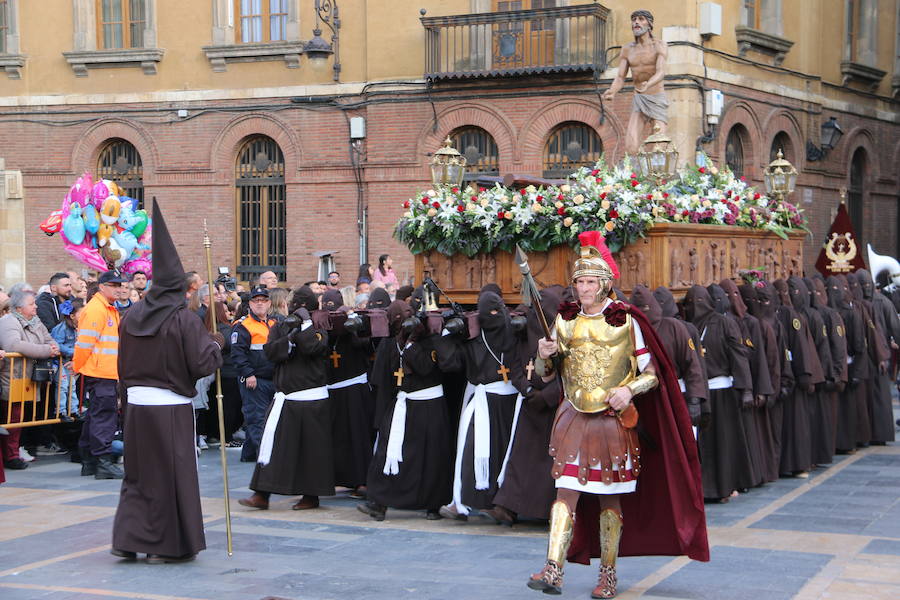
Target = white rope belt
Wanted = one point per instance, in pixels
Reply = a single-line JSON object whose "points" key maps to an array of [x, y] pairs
{"points": [[142, 395], [721, 382], [394, 455], [364, 378], [475, 407], [681, 386], [268, 436]]}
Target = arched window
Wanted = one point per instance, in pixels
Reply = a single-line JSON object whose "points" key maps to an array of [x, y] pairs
{"points": [[734, 149], [857, 191], [120, 161], [480, 151], [782, 142], [260, 194], [571, 145], [121, 23]]}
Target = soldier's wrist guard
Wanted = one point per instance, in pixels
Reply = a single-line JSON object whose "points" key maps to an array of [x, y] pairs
{"points": [[642, 383], [544, 368]]}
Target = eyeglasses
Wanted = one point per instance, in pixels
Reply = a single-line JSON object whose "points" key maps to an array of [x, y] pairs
{"points": [[260, 300]]}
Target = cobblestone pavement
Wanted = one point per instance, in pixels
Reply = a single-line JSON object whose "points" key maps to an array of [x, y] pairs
{"points": [[834, 535]]}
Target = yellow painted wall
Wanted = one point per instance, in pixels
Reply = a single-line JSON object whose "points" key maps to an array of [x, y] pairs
{"points": [[383, 40]]}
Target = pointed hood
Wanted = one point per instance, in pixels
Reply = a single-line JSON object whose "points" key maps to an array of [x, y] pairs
{"points": [[719, 299], [379, 298], [865, 282], [166, 295], [784, 295], [750, 298], [816, 287], [855, 289], [666, 300], [768, 302], [698, 305], [646, 302], [799, 293], [738, 307], [835, 289]]}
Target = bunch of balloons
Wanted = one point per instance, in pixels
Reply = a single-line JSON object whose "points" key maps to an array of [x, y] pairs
{"points": [[100, 227]]}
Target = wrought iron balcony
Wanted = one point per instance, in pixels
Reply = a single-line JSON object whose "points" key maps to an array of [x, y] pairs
{"points": [[566, 39]]}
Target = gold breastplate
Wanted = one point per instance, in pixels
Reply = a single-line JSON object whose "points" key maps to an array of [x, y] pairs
{"points": [[597, 358]]}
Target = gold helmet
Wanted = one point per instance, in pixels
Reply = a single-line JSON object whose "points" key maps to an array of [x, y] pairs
{"points": [[596, 260]]}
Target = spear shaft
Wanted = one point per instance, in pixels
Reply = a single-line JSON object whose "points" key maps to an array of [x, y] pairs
{"points": [[211, 318]]}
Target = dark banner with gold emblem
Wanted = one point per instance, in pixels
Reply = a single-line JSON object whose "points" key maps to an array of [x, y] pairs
{"points": [[841, 252]]}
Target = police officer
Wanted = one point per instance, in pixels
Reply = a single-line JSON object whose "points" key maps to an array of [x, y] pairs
{"points": [[248, 336]]}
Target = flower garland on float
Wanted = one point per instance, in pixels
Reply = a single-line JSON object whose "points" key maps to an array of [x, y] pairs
{"points": [[616, 200]]}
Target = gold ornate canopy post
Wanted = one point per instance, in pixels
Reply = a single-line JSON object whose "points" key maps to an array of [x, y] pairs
{"points": [[211, 313]]}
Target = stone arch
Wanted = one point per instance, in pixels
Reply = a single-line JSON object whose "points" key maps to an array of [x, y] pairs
{"points": [[779, 120], [87, 148], [859, 137], [739, 112], [534, 133], [470, 114], [225, 146]]}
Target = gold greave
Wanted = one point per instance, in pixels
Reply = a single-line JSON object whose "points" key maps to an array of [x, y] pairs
{"points": [[610, 533], [562, 525], [644, 382]]}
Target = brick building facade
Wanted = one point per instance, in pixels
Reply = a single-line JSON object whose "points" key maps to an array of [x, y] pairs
{"points": [[189, 160]]}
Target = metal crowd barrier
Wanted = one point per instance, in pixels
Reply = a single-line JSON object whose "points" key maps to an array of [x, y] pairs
{"points": [[28, 403]]}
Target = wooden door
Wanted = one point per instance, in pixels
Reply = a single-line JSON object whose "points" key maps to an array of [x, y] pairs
{"points": [[523, 44]]}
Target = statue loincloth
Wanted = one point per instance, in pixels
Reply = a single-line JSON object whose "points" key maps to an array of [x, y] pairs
{"points": [[652, 106]]}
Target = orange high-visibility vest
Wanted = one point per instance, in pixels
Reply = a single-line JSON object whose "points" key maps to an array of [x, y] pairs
{"points": [[97, 346]]}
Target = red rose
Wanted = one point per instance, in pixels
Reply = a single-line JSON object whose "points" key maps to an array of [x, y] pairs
{"points": [[406, 204], [634, 176], [500, 214], [649, 196], [702, 170], [425, 201], [743, 178], [613, 214], [595, 172], [756, 196], [728, 194], [481, 189], [560, 197], [634, 183], [685, 213], [603, 196], [616, 314], [460, 208], [665, 195], [561, 210], [523, 192], [455, 190], [539, 198], [436, 204]]}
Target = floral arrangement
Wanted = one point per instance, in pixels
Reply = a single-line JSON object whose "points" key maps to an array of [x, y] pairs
{"points": [[616, 200]]}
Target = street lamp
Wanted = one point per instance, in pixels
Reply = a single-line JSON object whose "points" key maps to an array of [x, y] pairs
{"points": [[317, 49], [831, 135], [780, 176], [657, 157], [448, 166]]}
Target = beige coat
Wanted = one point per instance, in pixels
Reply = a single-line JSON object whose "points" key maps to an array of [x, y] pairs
{"points": [[31, 342]]}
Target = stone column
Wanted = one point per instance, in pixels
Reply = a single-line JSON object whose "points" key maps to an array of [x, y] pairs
{"points": [[12, 228]]}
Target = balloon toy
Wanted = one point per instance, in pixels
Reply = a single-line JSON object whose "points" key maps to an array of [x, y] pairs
{"points": [[73, 225], [100, 228]]}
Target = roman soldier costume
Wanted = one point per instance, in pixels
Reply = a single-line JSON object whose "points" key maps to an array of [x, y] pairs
{"points": [[596, 449]]}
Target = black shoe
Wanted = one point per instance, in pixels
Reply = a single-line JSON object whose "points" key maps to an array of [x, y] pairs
{"points": [[433, 515], [107, 469], [373, 509], [16, 464], [123, 554], [88, 465], [158, 559]]}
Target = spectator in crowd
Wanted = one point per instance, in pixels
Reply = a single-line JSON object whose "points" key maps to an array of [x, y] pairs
{"points": [[65, 334], [96, 358], [231, 393], [199, 302], [361, 301], [279, 298], [334, 280], [404, 292], [48, 302], [123, 299], [20, 331], [139, 282], [365, 273], [363, 287], [134, 295], [348, 295], [385, 271], [79, 289], [193, 283], [391, 289], [269, 279]]}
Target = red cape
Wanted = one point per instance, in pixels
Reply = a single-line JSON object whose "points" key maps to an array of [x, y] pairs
{"points": [[665, 516]]}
